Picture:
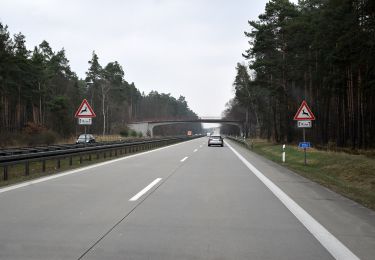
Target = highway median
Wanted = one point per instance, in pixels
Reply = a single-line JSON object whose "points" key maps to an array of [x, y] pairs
{"points": [[17, 168]]}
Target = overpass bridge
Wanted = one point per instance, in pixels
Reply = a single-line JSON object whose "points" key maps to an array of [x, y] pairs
{"points": [[148, 126]]}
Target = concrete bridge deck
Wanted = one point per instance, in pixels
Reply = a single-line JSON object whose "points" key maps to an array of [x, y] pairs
{"points": [[146, 127]]}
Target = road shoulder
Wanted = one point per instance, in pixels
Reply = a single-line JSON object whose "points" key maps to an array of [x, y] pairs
{"points": [[350, 222]]}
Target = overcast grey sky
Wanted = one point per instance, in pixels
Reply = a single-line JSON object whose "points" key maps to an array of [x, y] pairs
{"points": [[187, 48]]}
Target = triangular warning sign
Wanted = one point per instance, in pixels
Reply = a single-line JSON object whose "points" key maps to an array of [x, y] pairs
{"points": [[85, 110], [304, 112]]}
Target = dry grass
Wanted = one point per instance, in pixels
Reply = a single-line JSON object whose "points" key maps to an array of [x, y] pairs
{"points": [[350, 175]]}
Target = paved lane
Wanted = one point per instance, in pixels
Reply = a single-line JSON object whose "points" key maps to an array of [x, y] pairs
{"points": [[187, 201], [211, 208], [61, 218]]}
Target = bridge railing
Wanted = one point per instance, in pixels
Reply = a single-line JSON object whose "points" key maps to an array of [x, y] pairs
{"points": [[198, 119]]}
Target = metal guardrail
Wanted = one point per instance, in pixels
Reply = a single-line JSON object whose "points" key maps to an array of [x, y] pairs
{"points": [[36, 149], [242, 141], [113, 149]]}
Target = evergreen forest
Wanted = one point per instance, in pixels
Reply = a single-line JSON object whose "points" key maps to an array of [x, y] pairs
{"points": [[40, 93], [321, 51]]}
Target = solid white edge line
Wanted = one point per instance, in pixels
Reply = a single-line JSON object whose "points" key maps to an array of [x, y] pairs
{"points": [[182, 160], [337, 249], [146, 189], [58, 175]]}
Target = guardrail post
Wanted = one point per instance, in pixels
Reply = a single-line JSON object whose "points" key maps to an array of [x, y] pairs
{"points": [[110, 153], [104, 155], [70, 160], [58, 163], [97, 156], [116, 152], [43, 165], [5, 177], [80, 159], [27, 168], [90, 157]]}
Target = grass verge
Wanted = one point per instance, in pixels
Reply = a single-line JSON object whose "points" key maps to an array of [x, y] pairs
{"points": [[350, 175]]}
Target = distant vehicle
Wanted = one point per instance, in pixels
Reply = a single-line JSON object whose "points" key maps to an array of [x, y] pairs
{"points": [[208, 134], [215, 140], [89, 139]]}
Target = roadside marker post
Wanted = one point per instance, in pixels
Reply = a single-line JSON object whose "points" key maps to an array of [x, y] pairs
{"points": [[283, 154], [304, 148], [304, 116], [85, 114]]}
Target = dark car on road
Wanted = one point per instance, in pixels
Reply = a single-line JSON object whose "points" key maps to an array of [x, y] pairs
{"points": [[88, 139], [215, 140]]}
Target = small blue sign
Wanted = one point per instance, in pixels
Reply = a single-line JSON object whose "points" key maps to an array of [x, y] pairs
{"points": [[304, 145]]}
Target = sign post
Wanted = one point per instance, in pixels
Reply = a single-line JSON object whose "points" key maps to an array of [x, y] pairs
{"points": [[85, 114], [303, 117]]}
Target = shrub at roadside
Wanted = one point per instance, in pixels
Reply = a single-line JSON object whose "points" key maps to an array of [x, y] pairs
{"points": [[124, 132], [8, 139], [34, 134], [133, 133]]}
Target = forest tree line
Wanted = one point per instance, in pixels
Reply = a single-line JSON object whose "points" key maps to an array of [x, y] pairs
{"points": [[38, 90], [321, 51]]}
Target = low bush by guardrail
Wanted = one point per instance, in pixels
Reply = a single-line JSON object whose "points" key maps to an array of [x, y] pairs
{"points": [[241, 140]]}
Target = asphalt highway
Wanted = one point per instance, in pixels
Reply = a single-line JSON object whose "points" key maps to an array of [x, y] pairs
{"points": [[185, 201]]}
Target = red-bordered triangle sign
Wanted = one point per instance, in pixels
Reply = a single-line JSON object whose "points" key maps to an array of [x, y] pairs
{"points": [[85, 110], [304, 112]]}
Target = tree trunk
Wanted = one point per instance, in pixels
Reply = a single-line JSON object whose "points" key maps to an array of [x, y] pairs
{"points": [[103, 111]]}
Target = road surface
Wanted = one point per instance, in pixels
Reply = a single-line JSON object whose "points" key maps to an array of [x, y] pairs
{"points": [[185, 201]]}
